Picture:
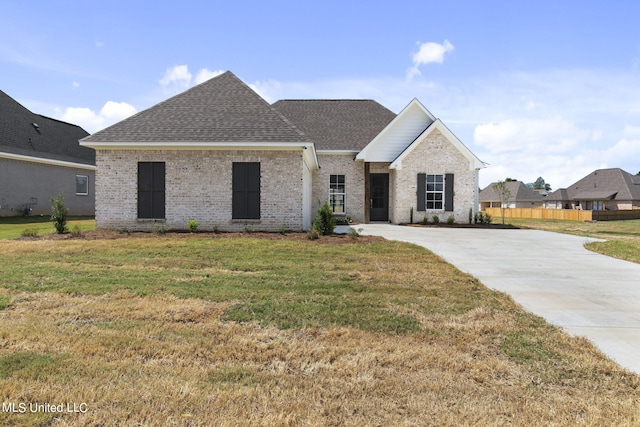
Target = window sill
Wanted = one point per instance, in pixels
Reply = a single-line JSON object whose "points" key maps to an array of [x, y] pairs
{"points": [[151, 220], [248, 221]]}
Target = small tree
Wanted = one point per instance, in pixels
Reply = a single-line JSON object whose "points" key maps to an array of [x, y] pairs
{"points": [[324, 223], [59, 213], [504, 194]]}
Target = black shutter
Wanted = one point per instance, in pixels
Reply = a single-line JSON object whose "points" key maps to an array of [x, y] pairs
{"points": [[151, 190], [448, 192], [158, 189], [246, 191], [422, 191]]}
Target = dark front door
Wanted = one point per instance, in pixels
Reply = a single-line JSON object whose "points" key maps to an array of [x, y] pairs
{"points": [[379, 197]]}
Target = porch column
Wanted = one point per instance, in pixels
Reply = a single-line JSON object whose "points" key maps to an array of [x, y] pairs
{"points": [[367, 195]]}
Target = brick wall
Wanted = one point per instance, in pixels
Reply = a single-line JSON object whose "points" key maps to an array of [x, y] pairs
{"points": [[435, 155], [199, 187]]}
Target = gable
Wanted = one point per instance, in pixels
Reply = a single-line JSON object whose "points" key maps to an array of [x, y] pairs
{"points": [[399, 134], [437, 125]]}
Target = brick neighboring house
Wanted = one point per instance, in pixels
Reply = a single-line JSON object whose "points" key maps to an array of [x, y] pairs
{"points": [[40, 156], [521, 196], [602, 189], [220, 154]]}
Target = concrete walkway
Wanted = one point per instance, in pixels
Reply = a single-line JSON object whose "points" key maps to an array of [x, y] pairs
{"points": [[549, 274]]}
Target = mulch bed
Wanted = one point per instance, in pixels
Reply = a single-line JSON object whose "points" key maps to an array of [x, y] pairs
{"points": [[333, 239]]}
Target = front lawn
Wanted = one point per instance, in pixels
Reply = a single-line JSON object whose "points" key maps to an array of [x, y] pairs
{"points": [[211, 330], [14, 226]]}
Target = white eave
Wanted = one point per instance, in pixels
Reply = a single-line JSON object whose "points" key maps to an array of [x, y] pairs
{"points": [[393, 139], [45, 161], [310, 155], [474, 161]]}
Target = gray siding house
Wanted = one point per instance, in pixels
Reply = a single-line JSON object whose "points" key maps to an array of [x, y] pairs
{"points": [[39, 157], [220, 154]]}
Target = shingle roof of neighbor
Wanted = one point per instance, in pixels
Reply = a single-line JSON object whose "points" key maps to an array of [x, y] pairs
{"points": [[25, 133], [222, 109], [519, 192], [602, 184], [337, 124]]}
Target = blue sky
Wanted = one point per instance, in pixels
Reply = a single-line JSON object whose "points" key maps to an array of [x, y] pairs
{"points": [[546, 88]]}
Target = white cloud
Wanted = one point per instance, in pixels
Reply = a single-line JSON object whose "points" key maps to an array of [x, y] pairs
{"points": [[428, 53], [178, 75], [204, 75], [91, 121], [75, 84], [524, 135]]}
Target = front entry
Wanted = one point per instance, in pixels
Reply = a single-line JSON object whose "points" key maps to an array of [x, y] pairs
{"points": [[379, 197]]}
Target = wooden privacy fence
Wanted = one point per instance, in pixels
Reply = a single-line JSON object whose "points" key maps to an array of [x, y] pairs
{"points": [[566, 214], [540, 213]]}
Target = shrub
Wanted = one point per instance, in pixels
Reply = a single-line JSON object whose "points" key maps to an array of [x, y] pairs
{"points": [[161, 228], [451, 219], [59, 214], [342, 220], [30, 232], [216, 229], [193, 225], [470, 215], [436, 219], [248, 228], [425, 220], [282, 230], [483, 218], [313, 235], [75, 231], [411, 215], [353, 233], [324, 223]]}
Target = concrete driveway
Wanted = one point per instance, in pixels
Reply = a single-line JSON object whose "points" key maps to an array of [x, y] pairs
{"points": [[549, 274]]}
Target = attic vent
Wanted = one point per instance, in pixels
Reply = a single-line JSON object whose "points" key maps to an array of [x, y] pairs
{"points": [[36, 127]]}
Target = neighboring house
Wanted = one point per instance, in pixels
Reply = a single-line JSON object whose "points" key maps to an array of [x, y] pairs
{"points": [[603, 189], [220, 154], [39, 157], [520, 196]]}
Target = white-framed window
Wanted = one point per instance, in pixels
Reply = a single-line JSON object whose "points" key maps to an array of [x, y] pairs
{"points": [[435, 192], [337, 194], [82, 185]]}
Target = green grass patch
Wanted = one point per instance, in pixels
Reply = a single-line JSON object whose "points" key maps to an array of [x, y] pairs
{"points": [[4, 301], [15, 226], [287, 284], [624, 249], [25, 364], [235, 375]]}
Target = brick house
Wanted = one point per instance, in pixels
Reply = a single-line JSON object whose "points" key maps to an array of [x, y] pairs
{"points": [[220, 154], [39, 157], [602, 189]]}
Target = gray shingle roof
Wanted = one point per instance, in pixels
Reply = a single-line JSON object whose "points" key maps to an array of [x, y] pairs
{"points": [[519, 193], [222, 109], [52, 139], [602, 184], [337, 124]]}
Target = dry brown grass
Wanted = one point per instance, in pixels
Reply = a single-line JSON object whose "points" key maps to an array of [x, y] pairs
{"points": [[158, 360], [168, 361]]}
